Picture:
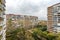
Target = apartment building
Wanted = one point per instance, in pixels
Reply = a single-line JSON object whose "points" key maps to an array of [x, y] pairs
{"points": [[54, 18], [2, 20], [22, 20]]}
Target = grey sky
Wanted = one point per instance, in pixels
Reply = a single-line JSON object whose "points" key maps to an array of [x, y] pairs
{"points": [[30, 7]]}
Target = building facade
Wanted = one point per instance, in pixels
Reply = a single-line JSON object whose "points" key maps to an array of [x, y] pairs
{"points": [[54, 18], [22, 20], [2, 20]]}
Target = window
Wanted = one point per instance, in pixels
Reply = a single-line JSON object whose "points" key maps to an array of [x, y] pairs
{"points": [[58, 7], [54, 9]]}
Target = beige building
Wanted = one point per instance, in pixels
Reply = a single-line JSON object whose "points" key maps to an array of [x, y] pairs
{"points": [[2, 20], [22, 20], [54, 18]]}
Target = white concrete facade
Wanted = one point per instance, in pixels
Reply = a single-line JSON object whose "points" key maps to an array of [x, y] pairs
{"points": [[56, 17], [3, 21]]}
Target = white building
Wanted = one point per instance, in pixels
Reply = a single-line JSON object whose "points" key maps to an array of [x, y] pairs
{"points": [[2, 20], [54, 18]]}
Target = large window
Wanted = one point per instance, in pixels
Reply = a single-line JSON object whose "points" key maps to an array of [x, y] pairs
{"points": [[58, 7], [58, 17], [54, 9]]}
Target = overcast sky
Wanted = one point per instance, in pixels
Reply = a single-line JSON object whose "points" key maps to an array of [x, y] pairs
{"points": [[30, 7]]}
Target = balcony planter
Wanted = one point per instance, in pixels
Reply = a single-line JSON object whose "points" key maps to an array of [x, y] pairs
{"points": [[0, 28], [1, 19], [0, 37]]}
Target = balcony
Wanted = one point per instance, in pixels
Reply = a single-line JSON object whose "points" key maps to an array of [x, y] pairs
{"points": [[0, 32], [1, 24], [0, 28], [1, 19], [2, 1], [2, 7], [58, 29], [58, 11], [58, 24], [55, 14]]}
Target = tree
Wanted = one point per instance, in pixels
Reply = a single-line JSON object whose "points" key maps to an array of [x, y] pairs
{"points": [[38, 34], [42, 27], [58, 38], [18, 34], [9, 25], [43, 35]]}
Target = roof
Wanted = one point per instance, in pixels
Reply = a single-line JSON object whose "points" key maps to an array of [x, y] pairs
{"points": [[54, 5]]}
